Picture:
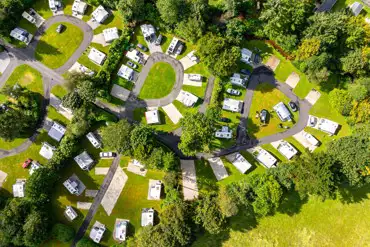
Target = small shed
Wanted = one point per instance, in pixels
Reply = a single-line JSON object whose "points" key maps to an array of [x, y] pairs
{"points": [[120, 230], [97, 232], [246, 56], [239, 162], [57, 131], [224, 133], [70, 213], [187, 99], [148, 32], [356, 8], [19, 188], [21, 35], [152, 117], [283, 112], [47, 150], [93, 140], [97, 56], [79, 7], [84, 160], [147, 217], [110, 34], [266, 159], [126, 73], [155, 188], [232, 105], [100, 14]]}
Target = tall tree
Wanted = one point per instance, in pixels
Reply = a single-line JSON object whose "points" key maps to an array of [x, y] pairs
{"points": [[116, 136], [218, 54], [36, 228], [197, 131], [171, 11], [131, 10], [284, 20], [208, 214]]}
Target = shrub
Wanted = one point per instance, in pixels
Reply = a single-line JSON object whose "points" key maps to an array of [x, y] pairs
{"points": [[62, 233]]}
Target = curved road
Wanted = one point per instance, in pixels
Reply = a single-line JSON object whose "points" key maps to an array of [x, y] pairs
{"points": [[51, 77]]}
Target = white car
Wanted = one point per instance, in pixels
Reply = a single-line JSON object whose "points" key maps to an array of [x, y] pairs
{"points": [[233, 92], [107, 155]]}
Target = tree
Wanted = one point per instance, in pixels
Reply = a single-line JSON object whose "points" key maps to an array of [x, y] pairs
{"points": [[284, 175], [341, 100], [283, 20], [358, 92], [197, 131], [142, 135], [36, 228], [308, 48], [352, 152], [234, 7], [20, 113], [12, 220], [175, 221], [191, 29], [63, 233], [329, 28], [236, 29], [86, 242], [267, 194], [41, 184], [226, 202], [218, 54], [358, 32], [72, 100], [116, 136], [87, 91], [171, 11], [208, 214], [355, 63], [313, 174], [315, 68], [131, 10]]}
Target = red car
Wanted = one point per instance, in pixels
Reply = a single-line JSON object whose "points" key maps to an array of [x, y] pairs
{"points": [[27, 163]]}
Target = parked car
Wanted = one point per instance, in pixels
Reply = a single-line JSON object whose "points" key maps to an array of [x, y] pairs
{"points": [[263, 116], [107, 155], [140, 46], [225, 120], [245, 72], [179, 49], [158, 41], [233, 92], [60, 28], [293, 106], [27, 163], [131, 64]]}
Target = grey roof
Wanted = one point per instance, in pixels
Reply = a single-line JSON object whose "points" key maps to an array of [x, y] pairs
{"points": [[326, 6], [356, 8], [282, 111], [84, 160], [57, 131]]}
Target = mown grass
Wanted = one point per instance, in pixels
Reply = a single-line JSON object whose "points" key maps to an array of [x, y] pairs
{"points": [[166, 124], [301, 223], [30, 78], [159, 83], [132, 200], [59, 90], [265, 97], [54, 49]]}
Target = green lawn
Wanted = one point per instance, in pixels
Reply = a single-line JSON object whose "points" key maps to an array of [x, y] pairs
{"points": [[30, 78], [42, 8], [59, 91], [312, 223], [55, 49], [84, 60], [265, 97], [23, 23], [129, 205], [166, 124], [114, 20], [159, 83], [285, 67], [342, 4], [138, 38]]}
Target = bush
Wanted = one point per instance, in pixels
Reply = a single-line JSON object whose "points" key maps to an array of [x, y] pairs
{"points": [[86, 242], [63, 233]]}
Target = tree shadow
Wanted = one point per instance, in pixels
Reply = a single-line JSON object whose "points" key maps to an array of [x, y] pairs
{"points": [[347, 194], [252, 128], [45, 48], [291, 203]]}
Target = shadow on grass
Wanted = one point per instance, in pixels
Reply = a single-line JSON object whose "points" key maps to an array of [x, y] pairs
{"points": [[348, 194], [45, 48], [291, 203]]}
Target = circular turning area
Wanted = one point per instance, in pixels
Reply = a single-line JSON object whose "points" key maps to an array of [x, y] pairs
{"points": [[58, 44], [159, 82]]}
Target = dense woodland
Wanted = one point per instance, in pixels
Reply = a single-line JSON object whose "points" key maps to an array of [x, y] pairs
{"points": [[331, 48]]}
